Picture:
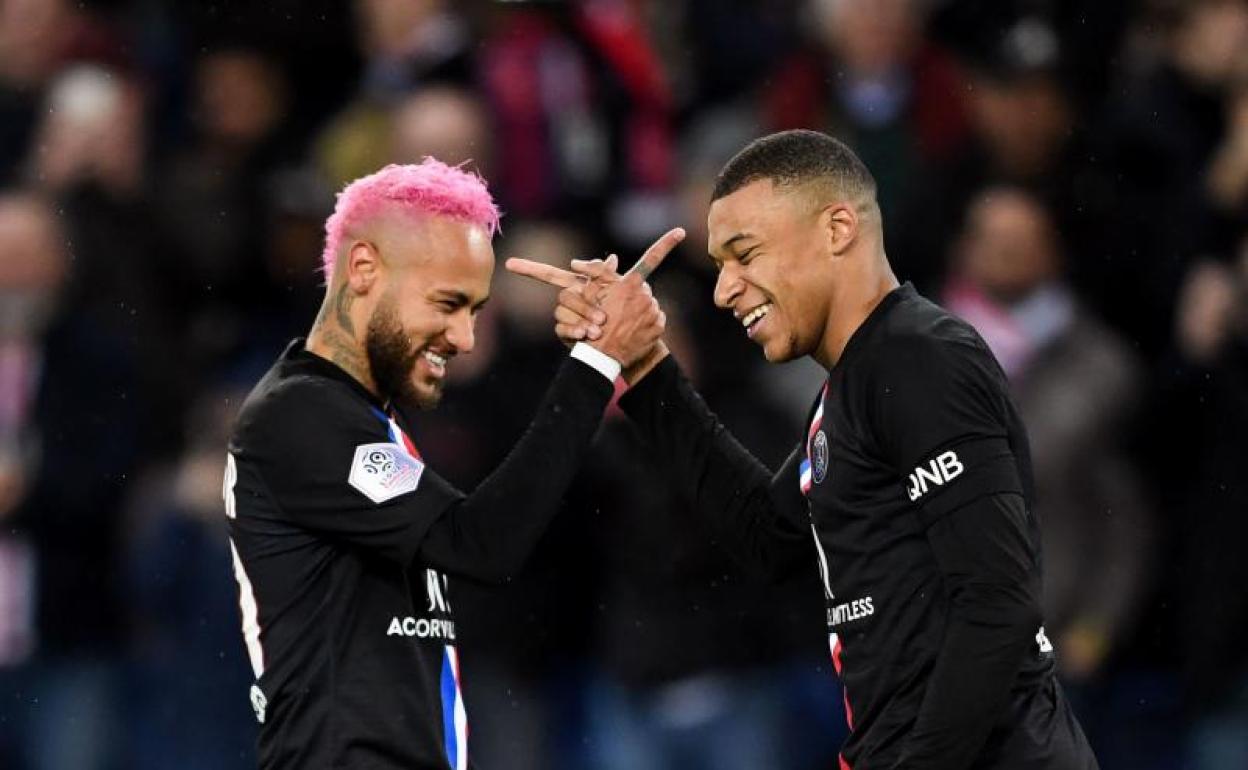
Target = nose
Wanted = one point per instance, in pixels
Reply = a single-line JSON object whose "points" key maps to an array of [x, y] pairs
{"points": [[728, 286], [461, 332]]}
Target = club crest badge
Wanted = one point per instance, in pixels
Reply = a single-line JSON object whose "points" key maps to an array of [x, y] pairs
{"points": [[819, 457]]}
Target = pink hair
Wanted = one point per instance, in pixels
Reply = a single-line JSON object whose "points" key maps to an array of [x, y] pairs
{"points": [[430, 187]]}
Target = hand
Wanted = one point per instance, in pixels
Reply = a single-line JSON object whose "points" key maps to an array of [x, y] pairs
{"points": [[584, 299], [634, 321]]}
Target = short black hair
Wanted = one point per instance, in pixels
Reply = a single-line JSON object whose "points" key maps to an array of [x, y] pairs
{"points": [[797, 157]]}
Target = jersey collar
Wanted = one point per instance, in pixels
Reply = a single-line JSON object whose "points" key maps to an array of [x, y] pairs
{"points": [[902, 292], [298, 358]]}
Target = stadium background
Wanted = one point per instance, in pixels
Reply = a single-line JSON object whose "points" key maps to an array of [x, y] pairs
{"points": [[1070, 176]]}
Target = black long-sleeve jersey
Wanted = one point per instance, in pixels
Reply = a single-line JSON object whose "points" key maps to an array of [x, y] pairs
{"points": [[343, 540], [911, 494]]}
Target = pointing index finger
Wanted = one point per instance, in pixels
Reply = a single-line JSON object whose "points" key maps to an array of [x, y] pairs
{"points": [[657, 252], [543, 272]]}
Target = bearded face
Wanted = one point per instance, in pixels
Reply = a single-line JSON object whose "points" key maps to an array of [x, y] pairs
{"points": [[396, 360]]}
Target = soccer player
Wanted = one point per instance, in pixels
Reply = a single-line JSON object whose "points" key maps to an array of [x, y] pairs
{"points": [[343, 539], [910, 491]]}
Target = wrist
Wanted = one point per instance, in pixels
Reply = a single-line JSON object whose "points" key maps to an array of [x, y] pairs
{"points": [[644, 365]]}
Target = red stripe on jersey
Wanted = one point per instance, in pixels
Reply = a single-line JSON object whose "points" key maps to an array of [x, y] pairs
{"points": [[844, 764], [411, 448], [836, 663], [817, 420]]}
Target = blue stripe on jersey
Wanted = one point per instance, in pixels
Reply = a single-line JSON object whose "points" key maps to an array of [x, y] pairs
{"points": [[388, 424], [448, 709]]}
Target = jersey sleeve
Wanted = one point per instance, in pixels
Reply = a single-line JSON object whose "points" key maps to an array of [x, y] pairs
{"points": [[758, 516], [488, 535], [330, 467], [940, 414]]}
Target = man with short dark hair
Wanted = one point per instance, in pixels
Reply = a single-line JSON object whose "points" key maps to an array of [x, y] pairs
{"points": [[913, 477], [343, 538]]}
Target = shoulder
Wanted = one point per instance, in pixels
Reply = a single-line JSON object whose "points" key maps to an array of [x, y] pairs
{"points": [[922, 340], [300, 406]]}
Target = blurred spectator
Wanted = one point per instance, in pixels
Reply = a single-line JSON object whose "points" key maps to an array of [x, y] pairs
{"points": [[297, 203], [89, 156], [1076, 385], [870, 77], [1025, 130], [72, 402], [187, 696], [212, 203], [1207, 398], [1227, 180], [92, 134], [1160, 132], [758, 33], [37, 39], [407, 45], [31, 276], [447, 123], [583, 112]]}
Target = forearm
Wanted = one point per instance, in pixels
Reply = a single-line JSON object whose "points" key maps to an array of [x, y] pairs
{"points": [[488, 535], [726, 484], [993, 619]]}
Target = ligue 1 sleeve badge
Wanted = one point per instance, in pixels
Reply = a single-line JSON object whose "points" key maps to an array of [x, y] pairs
{"points": [[384, 471], [819, 452]]}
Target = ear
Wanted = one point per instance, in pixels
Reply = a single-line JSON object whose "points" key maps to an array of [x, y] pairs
{"points": [[839, 223], [363, 266]]}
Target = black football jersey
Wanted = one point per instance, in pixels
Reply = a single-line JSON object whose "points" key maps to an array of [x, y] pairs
{"points": [[343, 539], [914, 422], [912, 429]]}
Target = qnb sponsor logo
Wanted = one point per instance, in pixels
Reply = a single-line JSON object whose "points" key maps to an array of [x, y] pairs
{"points": [[940, 471], [850, 611], [422, 628]]}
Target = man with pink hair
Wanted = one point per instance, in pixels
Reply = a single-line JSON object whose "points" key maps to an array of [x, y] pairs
{"points": [[343, 539]]}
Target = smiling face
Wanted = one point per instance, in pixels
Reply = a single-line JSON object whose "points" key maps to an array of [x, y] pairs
{"points": [[437, 279], [771, 247]]}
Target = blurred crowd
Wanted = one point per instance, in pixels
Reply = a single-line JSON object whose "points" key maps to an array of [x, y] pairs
{"points": [[1070, 177]]}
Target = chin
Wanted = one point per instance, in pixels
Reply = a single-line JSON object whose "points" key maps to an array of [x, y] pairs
{"points": [[779, 352], [426, 396]]}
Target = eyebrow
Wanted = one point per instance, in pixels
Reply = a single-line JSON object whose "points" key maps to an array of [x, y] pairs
{"points": [[735, 238], [459, 298], [453, 294]]}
